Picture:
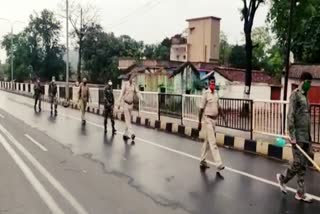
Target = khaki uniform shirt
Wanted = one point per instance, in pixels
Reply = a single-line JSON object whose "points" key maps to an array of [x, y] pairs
{"points": [[127, 93], [210, 103], [84, 92]]}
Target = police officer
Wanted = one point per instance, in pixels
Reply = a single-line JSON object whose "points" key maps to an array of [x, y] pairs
{"points": [[37, 95], [84, 97], [53, 96], [128, 91], [211, 110], [108, 106], [299, 132]]}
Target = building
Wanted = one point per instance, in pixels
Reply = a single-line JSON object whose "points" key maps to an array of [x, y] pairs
{"points": [[201, 43], [178, 51], [151, 75], [230, 82], [294, 79]]}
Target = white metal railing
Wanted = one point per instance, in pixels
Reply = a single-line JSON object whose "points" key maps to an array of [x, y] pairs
{"points": [[150, 103], [268, 117], [190, 107], [94, 94]]}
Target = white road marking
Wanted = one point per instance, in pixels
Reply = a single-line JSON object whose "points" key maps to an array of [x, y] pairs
{"points": [[263, 180], [43, 193], [54, 182], [36, 143]]}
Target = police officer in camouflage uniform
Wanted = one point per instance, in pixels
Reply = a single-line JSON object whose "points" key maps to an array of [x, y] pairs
{"points": [[37, 95], [299, 131], [108, 107]]}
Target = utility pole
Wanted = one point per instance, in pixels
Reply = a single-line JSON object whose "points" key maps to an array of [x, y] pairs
{"points": [[11, 50], [80, 46], [67, 44], [292, 4]]}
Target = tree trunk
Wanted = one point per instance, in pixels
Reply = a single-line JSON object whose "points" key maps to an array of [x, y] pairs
{"points": [[248, 75], [79, 60]]}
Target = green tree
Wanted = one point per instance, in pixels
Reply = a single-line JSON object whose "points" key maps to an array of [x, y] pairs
{"points": [[261, 43], [305, 28], [37, 47], [275, 62], [225, 50], [21, 56], [149, 51], [237, 57], [159, 51]]}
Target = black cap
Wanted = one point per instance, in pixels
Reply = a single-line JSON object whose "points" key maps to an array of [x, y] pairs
{"points": [[209, 76], [306, 76]]}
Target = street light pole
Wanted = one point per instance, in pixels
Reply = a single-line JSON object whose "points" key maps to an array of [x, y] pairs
{"points": [[67, 44], [11, 50], [286, 80]]}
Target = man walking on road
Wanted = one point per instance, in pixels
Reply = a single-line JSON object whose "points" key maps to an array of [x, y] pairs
{"points": [[128, 91], [37, 95], [210, 108], [108, 107], [299, 132], [53, 96], [84, 97]]}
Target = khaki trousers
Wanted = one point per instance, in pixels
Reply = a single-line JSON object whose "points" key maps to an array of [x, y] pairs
{"points": [[83, 107], [127, 110], [210, 143]]}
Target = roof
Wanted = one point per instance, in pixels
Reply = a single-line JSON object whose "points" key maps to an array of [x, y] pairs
{"points": [[129, 64], [182, 67], [238, 75], [296, 70], [204, 17]]}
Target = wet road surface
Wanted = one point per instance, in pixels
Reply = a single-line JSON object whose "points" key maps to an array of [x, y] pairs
{"points": [[56, 165]]}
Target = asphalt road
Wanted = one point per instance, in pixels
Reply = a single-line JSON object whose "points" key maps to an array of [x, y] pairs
{"points": [[56, 165]]}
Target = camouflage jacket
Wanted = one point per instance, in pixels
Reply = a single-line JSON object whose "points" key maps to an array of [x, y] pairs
{"points": [[108, 97], [53, 89], [299, 117], [37, 89]]}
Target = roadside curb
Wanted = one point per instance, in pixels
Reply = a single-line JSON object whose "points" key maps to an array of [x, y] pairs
{"points": [[257, 147]]}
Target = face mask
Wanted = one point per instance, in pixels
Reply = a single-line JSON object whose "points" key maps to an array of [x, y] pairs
{"points": [[212, 87], [306, 86]]}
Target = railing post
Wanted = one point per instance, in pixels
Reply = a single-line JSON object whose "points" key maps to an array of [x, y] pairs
{"points": [[251, 118], [182, 108], [159, 94]]}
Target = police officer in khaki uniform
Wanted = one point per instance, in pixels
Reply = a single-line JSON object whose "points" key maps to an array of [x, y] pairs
{"points": [[53, 89], [211, 110], [128, 91], [84, 97], [299, 132]]}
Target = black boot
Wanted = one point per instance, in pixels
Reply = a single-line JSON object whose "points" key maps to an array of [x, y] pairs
{"points": [[114, 131], [204, 166], [105, 126]]}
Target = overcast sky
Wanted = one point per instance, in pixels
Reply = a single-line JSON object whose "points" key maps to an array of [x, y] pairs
{"points": [[146, 20]]}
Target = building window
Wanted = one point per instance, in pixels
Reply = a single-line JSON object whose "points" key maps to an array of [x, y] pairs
{"points": [[184, 56], [178, 56]]}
